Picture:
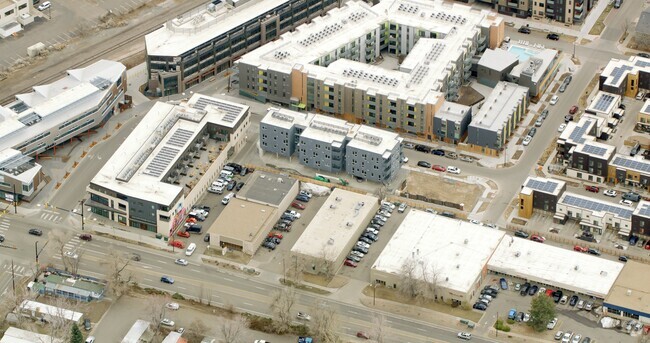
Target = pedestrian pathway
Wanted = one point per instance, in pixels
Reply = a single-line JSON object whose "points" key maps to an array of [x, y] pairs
{"points": [[19, 270], [4, 225], [51, 216]]}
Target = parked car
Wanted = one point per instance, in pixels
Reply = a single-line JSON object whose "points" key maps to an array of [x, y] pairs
{"points": [[622, 258], [453, 170], [183, 234], [439, 168], [592, 189], [269, 245], [557, 295], [524, 30], [532, 132], [177, 244], [438, 152], [568, 118], [167, 322], [533, 290], [354, 258], [574, 300], [401, 208], [302, 198], [580, 305], [87, 325], [561, 127], [503, 283], [239, 186], [424, 164], [625, 202], [512, 314], [610, 193], [554, 99], [86, 237], [422, 148], [573, 109], [527, 140], [521, 234], [362, 334], [553, 36], [593, 251], [480, 306], [551, 324], [350, 263], [464, 336], [579, 248], [537, 238], [44, 6], [173, 306], [558, 335], [544, 114], [589, 305], [539, 122], [298, 205]]}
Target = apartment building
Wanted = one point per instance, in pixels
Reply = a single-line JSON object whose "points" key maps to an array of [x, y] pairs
{"points": [[565, 11], [204, 42], [519, 8], [451, 122], [332, 145], [324, 66], [497, 119], [536, 72], [539, 193], [167, 163], [14, 15], [592, 214], [625, 77], [643, 117], [53, 114]]}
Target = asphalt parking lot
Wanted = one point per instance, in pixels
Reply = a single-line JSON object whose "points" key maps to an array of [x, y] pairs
{"points": [[569, 317]]}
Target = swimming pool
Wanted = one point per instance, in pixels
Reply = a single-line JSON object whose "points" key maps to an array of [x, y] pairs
{"points": [[522, 53]]}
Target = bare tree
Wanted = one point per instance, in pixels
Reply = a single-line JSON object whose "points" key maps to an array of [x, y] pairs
{"points": [[408, 285], [156, 311], [294, 268], [418, 280], [59, 325], [58, 238], [11, 302], [283, 301], [118, 279], [231, 330], [196, 330], [326, 261], [324, 324], [73, 261], [429, 281], [379, 331]]}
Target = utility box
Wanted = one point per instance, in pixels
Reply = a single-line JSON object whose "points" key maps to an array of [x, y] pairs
{"points": [[35, 49]]}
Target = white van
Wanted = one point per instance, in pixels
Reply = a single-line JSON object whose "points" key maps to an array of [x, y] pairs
{"points": [[90, 339], [190, 249], [227, 198], [226, 174]]}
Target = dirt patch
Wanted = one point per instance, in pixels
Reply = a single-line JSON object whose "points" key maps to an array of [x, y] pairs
{"points": [[518, 221], [599, 25], [582, 102], [304, 287], [517, 154], [231, 255], [468, 96], [549, 150], [584, 41], [484, 206], [400, 304], [443, 189], [510, 208]]}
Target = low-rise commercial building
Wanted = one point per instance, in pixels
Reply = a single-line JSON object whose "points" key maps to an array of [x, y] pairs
{"points": [[331, 144], [449, 254], [629, 297], [593, 214], [196, 46], [323, 66], [539, 193], [78, 289], [625, 77], [247, 219], [14, 15], [168, 162], [333, 231], [497, 119], [48, 313], [15, 335], [51, 115], [554, 267]]}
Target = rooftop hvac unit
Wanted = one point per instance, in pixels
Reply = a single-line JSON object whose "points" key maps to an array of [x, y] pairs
{"points": [[628, 292], [517, 254], [575, 268], [332, 206], [466, 241], [338, 198], [330, 241], [349, 224]]}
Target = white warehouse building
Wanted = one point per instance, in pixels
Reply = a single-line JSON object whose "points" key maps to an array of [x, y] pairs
{"points": [[452, 252]]}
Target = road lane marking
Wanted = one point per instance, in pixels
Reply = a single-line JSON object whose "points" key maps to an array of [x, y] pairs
{"points": [[196, 270], [163, 262], [249, 304], [227, 279], [260, 288], [179, 287], [353, 312], [145, 279]]}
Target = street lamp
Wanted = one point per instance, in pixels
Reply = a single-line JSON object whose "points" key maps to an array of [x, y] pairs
{"points": [[38, 252], [83, 201], [374, 293]]}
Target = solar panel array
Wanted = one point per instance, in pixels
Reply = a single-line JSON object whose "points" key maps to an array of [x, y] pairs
{"points": [[618, 72], [542, 186], [631, 164], [360, 74], [231, 111], [19, 107], [578, 134], [408, 8], [456, 19], [180, 137], [603, 102], [641, 63], [597, 206], [161, 161], [647, 109], [594, 150], [644, 210], [327, 31]]}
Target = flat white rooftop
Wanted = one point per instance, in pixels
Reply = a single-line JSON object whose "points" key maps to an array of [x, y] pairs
{"points": [[452, 111], [335, 224], [456, 250], [499, 106], [604, 103], [645, 109], [52, 311], [147, 154], [328, 129], [286, 119], [535, 66], [617, 70], [579, 133], [201, 25], [15, 335], [51, 105], [547, 264], [420, 77], [375, 140], [498, 59]]}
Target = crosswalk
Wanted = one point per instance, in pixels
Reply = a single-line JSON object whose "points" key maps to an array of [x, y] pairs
{"points": [[4, 225], [51, 216], [19, 270], [72, 245]]}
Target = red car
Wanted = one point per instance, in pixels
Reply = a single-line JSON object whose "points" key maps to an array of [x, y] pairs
{"points": [[549, 292], [363, 335], [191, 220], [177, 244], [184, 234], [276, 235], [350, 263], [86, 237], [647, 246], [592, 189], [537, 238], [573, 109], [298, 205], [439, 168], [579, 248]]}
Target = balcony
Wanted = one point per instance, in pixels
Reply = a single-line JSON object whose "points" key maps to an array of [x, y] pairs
{"points": [[513, 4]]}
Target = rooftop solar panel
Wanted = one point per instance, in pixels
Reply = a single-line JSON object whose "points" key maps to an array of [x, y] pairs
{"points": [[597, 206], [644, 210], [642, 63], [594, 150], [180, 137], [631, 164], [161, 161], [647, 109], [548, 186], [577, 135], [603, 102], [618, 72]]}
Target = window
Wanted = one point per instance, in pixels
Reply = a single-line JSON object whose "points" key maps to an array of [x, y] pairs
{"points": [[8, 13]]}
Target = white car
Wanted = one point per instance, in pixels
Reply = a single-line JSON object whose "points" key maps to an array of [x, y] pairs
{"points": [[625, 202], [380, 217], [453, 170], [610, 193], [173, 306], [167, 322], [402, 208], [552, 323], [561, 128], [305, 193], [526, 317], [405, 159], [389, 204], [576, 338], [304, 316], [70, 254], [465, 335], [190, 249], [44, 6], [474, 221], [293, 213], [567, 337], [554, 99], [384, 213], [182, 262], [527, 140], [373, 231], [639, 95], [542, 290], [358, 254], [363, 244]]}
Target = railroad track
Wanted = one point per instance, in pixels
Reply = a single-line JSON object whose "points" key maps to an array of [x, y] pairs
{"points": [[102, 49]]}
